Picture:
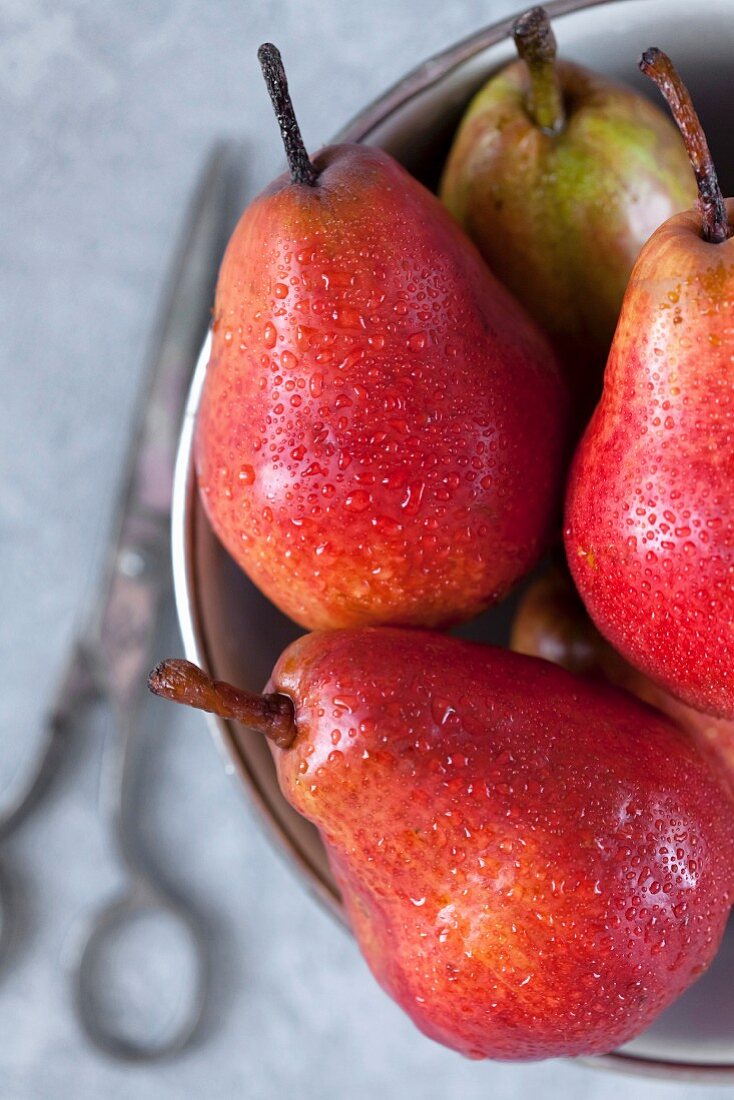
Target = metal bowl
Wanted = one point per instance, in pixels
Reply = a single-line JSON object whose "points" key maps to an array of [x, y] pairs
{"points": [[230, 629]]}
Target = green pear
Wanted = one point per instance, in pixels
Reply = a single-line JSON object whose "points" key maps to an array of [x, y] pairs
{"points": [[560, 176]]}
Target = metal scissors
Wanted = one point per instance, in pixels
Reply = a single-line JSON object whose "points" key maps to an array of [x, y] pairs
{"points": [[113, 652]]}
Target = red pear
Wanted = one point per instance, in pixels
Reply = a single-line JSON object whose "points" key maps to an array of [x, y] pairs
{"points": [[533, 865], [650, 508], [552, 622], [382, 429]]}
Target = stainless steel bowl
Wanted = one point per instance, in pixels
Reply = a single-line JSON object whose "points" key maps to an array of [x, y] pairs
{"points": [[235, 633]]}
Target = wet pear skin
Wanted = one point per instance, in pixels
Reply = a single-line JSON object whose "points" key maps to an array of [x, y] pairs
{"points": [[650, 508], [561, 218], [533, 865], [382, 430], [551, 622]]}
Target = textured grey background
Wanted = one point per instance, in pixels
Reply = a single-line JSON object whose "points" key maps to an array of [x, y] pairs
{"points": [[105, 112]]}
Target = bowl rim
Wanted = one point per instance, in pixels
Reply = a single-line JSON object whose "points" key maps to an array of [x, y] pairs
{"points": [[183, 539], [439, 65], [184, 518]]}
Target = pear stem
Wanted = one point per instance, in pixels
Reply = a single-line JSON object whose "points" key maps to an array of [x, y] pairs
{"points": [[536, 45], [182, 682], [658, 66], [299, 162]]}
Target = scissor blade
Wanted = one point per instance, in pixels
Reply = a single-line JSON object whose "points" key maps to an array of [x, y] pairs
{"points": [[124, 621]]}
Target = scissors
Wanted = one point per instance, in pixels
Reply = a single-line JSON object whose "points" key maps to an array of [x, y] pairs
{"points": [[109, 661]]}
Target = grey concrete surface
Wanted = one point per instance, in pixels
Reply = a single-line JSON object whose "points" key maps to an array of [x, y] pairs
{"points": [[106, 110]]}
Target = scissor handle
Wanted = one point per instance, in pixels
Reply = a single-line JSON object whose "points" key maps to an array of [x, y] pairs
{"points": [[140, 899]]}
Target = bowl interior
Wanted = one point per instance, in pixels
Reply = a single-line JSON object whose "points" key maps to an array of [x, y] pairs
{"points": [[231, 629]]}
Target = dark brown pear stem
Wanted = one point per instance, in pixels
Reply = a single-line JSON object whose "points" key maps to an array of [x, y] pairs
{"points": [[536, 45], [658, 66], [182, 682], [299, 162]]}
